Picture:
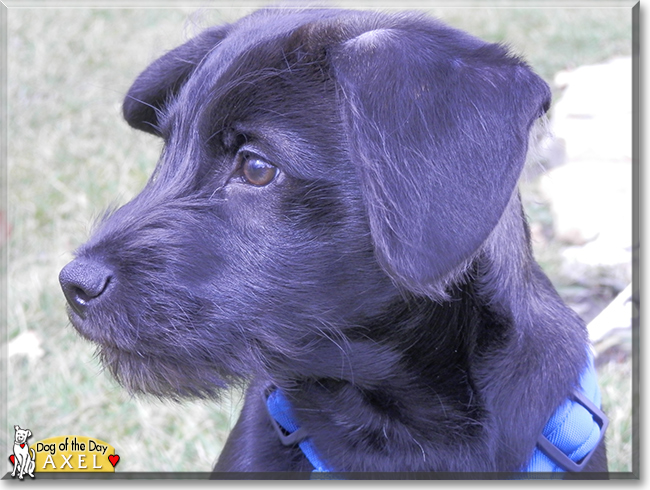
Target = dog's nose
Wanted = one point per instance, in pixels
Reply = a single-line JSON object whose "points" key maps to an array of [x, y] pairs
{"points": [[84, 281]]}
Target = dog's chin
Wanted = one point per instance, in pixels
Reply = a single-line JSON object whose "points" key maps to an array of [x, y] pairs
{"points": [[145, 364], [140, 373]]}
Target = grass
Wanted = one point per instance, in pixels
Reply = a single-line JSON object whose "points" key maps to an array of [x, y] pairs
{"points": [[71, 155]]}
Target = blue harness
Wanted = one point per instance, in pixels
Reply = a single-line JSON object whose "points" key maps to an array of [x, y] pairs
{"points": [[567, 442], [289, 433], [572, 434]]}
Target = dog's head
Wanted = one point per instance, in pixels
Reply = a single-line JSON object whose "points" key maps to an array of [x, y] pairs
{"points": [[317, 166], [21, 435]]}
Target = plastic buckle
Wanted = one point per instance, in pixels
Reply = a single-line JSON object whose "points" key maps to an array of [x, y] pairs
{"points": [[562, 459], [286, 438]]}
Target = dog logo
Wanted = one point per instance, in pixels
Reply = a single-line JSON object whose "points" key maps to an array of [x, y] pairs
{"points": [[23, 457]]}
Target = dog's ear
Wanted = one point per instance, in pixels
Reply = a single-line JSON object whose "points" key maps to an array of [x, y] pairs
{"points": [[439, 125], [164, 77]]}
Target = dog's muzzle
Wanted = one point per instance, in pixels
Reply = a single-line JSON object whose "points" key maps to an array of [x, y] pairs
{"points": [[84, 282]]}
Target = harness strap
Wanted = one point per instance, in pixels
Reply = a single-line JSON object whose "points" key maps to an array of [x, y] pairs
{"points": [[288, 431], [574, 431]]}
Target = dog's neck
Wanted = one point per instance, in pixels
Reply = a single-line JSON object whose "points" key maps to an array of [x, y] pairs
{"points": [[418, 373], [423, 353]]}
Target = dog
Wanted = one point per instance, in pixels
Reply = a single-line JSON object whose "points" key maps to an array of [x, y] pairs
{"points": [[334, 225], [24, 462]]}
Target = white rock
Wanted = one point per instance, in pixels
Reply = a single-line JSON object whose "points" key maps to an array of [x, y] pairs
{"points": [[594, 113], [591, 194], [617, 316], [591, 200]]}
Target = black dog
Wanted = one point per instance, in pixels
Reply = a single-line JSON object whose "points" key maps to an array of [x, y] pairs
{"points": [[334, 223]]}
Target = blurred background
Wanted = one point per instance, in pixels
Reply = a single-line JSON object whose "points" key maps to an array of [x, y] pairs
{"points": [[70, 155]]}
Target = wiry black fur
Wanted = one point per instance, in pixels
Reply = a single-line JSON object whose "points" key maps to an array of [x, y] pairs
{"points": [[384, 280]]}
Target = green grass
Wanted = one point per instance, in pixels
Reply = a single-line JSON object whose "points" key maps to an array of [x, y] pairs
{"points": [[71, 155], [615, 380]]}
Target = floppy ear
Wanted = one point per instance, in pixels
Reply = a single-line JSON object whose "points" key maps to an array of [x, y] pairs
{"points": [[438, 124], [164, 77]]}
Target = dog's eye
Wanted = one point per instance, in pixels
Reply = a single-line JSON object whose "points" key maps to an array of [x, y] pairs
{"points": [[256, 171]]}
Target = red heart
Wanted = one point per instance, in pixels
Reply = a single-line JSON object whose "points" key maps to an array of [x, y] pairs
{"points": [[113, 458], [22, 445], [12, 459]]}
